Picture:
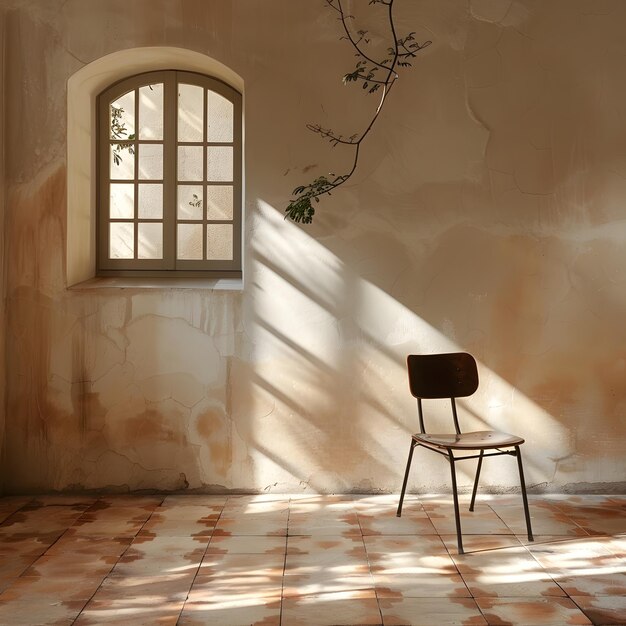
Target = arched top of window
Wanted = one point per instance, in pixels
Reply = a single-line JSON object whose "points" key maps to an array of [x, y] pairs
{"points": [[169, 176]]}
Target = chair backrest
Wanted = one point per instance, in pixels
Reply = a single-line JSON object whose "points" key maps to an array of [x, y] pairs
{"points": [[452, 375]]}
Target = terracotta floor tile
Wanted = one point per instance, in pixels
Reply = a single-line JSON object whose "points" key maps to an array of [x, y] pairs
{"points": [[11, 504], [86, 545], [341, 567], [50, 566], [243, 579], [603, 583], [247, 544], [473, 544], [531, 611], [231, 591], [576, 557], [65, 588], [327, 609], [416, 576], [603, 610], [127, 611], [39, 521], [387, 503], [501, 570], [482, 521], [304, 581], [231, 560], [544, 521], [32, 547], [430, 611], [12, 567], [324, 523], [106, 528], [158, 587], [410, 583], [233, 612], [161, 555], [157, 526], [329, 546], [379, 545], [392, 525], [30, 612], [272, 525]]}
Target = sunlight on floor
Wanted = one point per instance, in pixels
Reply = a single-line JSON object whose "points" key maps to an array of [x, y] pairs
{"points": [[309, 559]]}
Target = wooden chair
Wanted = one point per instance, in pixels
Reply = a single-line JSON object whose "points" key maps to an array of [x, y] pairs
{"points": [[436, 376]]}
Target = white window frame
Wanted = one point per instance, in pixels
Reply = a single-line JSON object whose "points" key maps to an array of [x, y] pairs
{"points": [[169, 266]]}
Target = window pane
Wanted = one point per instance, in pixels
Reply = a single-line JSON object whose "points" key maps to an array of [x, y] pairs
{"points": [[122, 117], [220, 114], [190, 202], [190, 163], [219, 202], [122, 201], [151, 112], [122, 240], [150, 201], [219, 242], [190, 113], [219, 163], [122, 161], [150, 161], [150, 241], [189, 241]]}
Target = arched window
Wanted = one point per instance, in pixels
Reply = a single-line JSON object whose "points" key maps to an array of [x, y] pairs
{"points": [[169, 176]]}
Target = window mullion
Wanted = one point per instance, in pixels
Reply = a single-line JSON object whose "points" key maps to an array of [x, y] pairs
{"points": [[136, 177], [170, 122], [205, 138]]}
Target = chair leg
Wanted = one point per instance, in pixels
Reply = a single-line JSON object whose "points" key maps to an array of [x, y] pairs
{"points": [[524, 497], [406, 478], [480, 463], [457, 515]]}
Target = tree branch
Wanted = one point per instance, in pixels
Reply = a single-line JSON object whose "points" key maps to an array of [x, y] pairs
{"points": [[300, 208]]}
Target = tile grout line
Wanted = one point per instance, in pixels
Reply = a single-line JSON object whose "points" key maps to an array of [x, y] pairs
{"points": [[182, 608], [118, 558], [282, 581], [369, 566]]}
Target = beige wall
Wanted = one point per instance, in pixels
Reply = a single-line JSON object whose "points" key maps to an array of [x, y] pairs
{"points": [[2, 259], [2, 233], [487, 214]]}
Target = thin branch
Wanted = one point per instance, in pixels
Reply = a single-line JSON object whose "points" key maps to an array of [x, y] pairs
{"points": [[343, 17], [300, 209]]}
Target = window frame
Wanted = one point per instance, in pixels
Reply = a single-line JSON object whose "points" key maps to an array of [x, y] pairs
{"points": [[169, 266]]}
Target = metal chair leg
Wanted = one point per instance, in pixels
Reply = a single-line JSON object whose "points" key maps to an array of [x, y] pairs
{"points": [[524, 497], [480, 463], [406, 478], [457, 515]]}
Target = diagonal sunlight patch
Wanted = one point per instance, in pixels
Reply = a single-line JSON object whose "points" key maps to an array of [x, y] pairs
{"points": [[330, 394]]}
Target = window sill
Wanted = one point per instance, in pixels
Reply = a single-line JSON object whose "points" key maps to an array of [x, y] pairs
{"points": [[119, 282]]}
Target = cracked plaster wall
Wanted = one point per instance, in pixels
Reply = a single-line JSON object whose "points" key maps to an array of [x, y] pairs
{"points": [[2, 263], [486, 215]]}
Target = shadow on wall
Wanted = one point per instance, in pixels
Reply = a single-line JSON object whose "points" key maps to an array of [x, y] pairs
{"points": [[329, 402], [514, 254]]}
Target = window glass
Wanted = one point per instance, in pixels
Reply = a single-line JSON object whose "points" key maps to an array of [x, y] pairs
{"points": [[170, 176]]}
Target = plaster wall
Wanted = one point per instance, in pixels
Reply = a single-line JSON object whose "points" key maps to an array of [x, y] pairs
{"points": [[2, 259], [487, 214]]}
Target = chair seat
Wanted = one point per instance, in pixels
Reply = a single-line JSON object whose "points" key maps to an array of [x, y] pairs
{"points": [[478, 440]]}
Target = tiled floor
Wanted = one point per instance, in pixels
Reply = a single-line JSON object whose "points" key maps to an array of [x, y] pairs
{"points": [[292, 560]]}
